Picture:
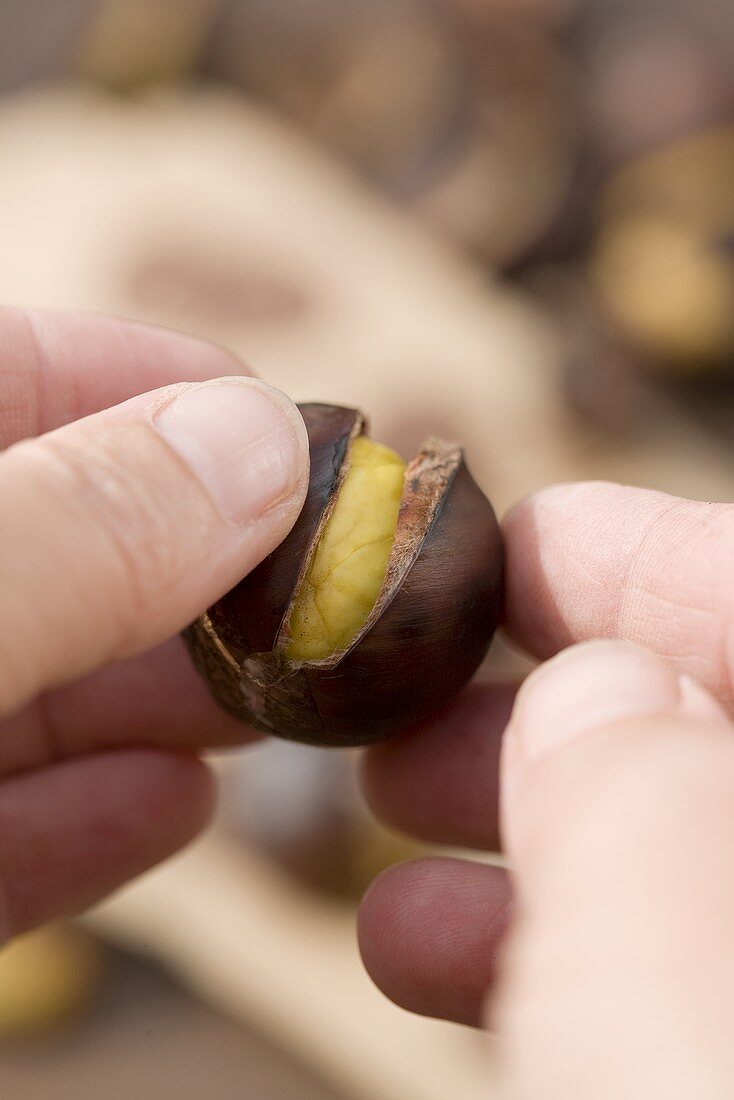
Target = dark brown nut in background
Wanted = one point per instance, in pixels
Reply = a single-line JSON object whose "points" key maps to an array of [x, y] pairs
{"points": [[427, 633], [381, 84]]}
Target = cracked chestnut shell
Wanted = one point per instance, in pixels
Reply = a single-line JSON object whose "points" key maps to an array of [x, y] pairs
{"points": [[426, 635]]}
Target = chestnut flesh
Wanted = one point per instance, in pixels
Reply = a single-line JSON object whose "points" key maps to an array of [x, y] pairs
{"points": [[428, 631]]}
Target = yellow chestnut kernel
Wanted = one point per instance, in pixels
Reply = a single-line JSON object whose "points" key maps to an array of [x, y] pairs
{"points": [[348, 568]]}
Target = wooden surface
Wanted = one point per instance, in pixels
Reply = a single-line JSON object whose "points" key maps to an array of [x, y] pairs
{"points": [[257, 946], [148, 1037]]}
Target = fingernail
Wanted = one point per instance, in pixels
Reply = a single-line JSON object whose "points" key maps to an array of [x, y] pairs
{"points": [[595, 685], [244, 441]]}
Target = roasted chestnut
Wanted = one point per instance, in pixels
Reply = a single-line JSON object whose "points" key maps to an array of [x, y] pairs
{"points": [[377, 608]]}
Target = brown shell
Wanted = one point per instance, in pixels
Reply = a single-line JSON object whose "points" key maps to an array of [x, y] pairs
{"points": [[250, 616], [427, 634]]}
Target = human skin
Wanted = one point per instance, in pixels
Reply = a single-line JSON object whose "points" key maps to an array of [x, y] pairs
{"points": [[616, 975], [133, 492], [605, 959]]}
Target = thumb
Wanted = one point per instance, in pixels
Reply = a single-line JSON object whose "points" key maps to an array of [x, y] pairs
{"points": [[618, 788], [119, 528]]}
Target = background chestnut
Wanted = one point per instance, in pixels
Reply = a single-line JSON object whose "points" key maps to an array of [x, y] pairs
{"points": [[434, 614]]}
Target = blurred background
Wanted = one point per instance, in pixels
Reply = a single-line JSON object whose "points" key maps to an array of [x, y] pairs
{"points": [[509, 222]]}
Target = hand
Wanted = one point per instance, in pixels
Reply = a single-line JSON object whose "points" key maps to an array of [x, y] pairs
{"points": [[617, 783], [123, 512]]}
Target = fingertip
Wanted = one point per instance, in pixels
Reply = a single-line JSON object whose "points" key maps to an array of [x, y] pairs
{"points": [[153, 346], [176, 793], [562, 543], [370, 923], [56, 357], [376, 777], [553, 498], [386, 919], [429, 933], [441, 783], [200, 358], [244, 442], [162, 799], [291, 410]]}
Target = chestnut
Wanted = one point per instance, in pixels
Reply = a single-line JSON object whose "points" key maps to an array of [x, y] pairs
{"points": [[375, 610]]}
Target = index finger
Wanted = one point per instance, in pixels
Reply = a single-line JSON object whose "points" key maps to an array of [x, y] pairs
{"points": [[596, 560], [59, 367]]}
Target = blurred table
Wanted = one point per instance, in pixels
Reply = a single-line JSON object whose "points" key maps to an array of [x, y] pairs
{"points": [[253, 942], [149, 1037]]}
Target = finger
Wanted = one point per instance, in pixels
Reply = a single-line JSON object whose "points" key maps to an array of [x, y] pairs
{"points": [[153, 700], [59, 367], [71, 833], [442, 784], [602, 561], [429, 933], [618, 813], [118, 529]]}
